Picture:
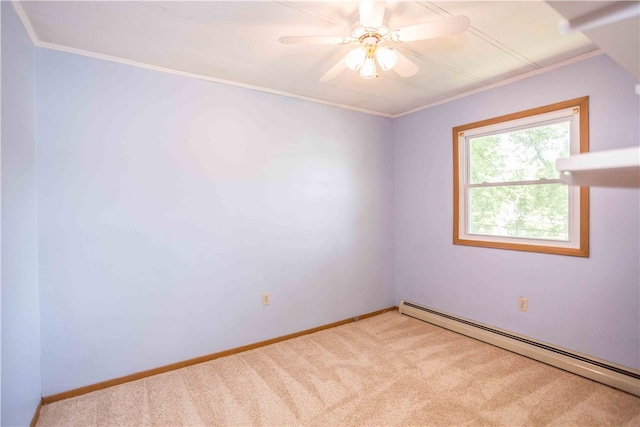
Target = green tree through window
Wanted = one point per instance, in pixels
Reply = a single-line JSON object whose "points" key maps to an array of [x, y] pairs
{"points": [[532, 211]]}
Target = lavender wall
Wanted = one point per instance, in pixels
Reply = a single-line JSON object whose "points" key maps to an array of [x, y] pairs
{"points": [[587, 305], [167, 205], [21, 382]]}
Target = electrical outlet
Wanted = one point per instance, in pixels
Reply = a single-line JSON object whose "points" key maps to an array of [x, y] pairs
{"points": [[266, 298], [522, 303]]}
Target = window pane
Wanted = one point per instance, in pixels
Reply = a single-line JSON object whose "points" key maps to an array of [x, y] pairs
{"points": [[521, 155], [525, 211]]}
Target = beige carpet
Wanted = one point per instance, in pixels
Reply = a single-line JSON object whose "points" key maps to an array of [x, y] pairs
{"points": [[382, 371]]}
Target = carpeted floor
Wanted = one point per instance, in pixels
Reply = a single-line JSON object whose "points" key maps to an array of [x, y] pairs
{"points": [[386, 370]]}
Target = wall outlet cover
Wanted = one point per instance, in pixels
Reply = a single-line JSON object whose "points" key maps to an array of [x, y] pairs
{"points": [[523, 304], [266, 298]]}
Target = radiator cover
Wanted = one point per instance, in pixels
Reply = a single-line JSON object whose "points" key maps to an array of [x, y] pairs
{"points": [[620, 377]]}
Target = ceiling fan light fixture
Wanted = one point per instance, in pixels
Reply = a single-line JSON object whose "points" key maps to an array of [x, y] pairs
{"points": [[371, 37], [387, 57], [355, 59]]}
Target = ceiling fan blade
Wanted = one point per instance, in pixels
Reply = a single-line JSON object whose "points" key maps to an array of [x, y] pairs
{"points": [[371, 13], [405, 67], [429, 30], [314, 40], [334, 71]]}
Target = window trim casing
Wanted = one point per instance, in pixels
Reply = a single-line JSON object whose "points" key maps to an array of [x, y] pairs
{"points": [[583, 249]]}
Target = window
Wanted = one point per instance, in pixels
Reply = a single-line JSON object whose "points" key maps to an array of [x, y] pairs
{"points": [[507, 191]]}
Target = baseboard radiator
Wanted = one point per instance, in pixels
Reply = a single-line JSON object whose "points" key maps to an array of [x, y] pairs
{"points": [[617, 376]]}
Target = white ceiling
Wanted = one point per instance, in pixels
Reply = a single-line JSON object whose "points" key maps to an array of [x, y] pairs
{"points": [[237, 42]]}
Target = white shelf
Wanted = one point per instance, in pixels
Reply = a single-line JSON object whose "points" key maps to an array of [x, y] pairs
{"points": [[613, 168]]}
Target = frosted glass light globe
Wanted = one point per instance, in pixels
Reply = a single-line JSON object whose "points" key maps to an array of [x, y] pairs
{"points": [[386, 57], [355, 58], [368, 70]]}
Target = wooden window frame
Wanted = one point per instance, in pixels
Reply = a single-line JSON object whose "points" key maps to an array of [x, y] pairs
{"points": [[582, 248]]}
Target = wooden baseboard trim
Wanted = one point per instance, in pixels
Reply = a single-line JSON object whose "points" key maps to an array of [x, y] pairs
{"points": [[155, 371], [34, 420]]}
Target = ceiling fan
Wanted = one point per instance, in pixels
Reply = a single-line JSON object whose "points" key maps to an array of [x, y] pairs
{"points": [[374, 42]]}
